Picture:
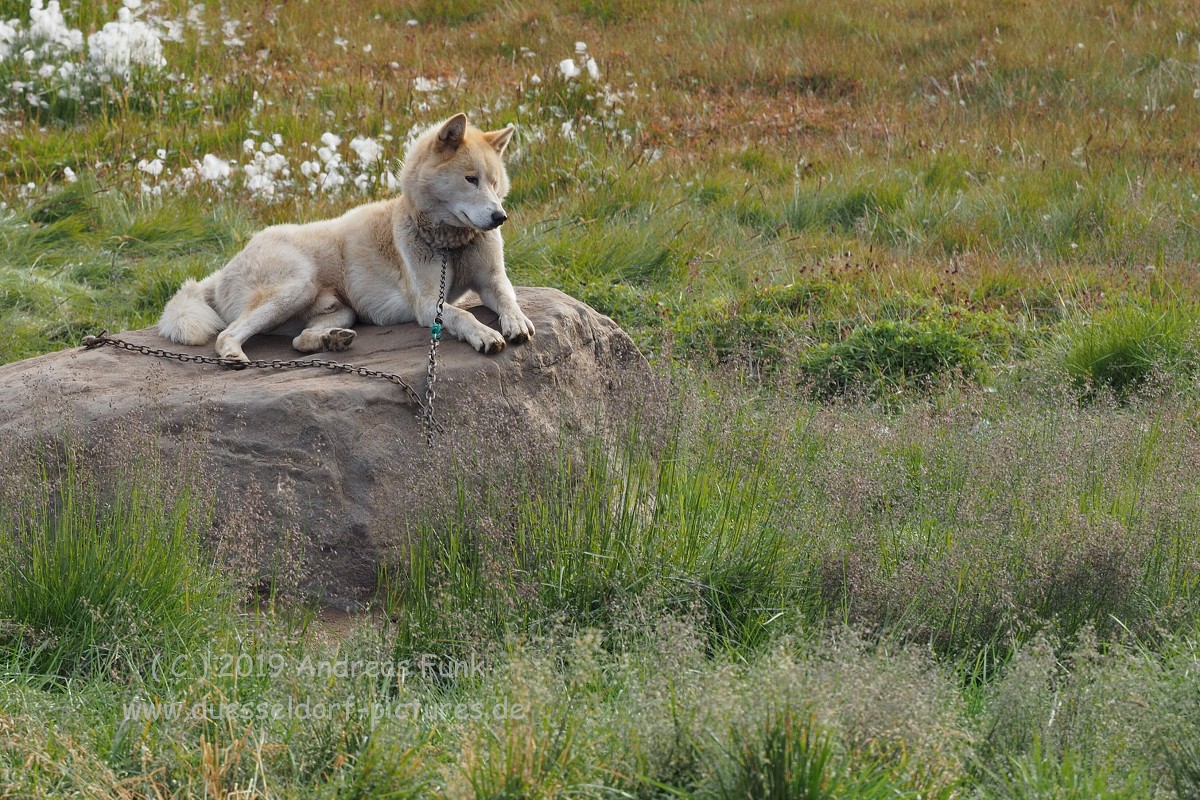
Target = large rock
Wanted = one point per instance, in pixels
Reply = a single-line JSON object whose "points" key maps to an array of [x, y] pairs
{"points": [[339, 458]]}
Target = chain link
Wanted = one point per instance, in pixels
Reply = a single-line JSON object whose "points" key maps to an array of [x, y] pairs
{"points": [[103, 340], [435, 336]]}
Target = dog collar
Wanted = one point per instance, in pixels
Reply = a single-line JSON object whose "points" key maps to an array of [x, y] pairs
{"points": [[442, 237]]}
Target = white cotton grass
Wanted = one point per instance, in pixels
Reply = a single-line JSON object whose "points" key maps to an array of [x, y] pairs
{"points": [[58, 63], [330, 173], [569, 69], [48, 29], [368, 150], [229, 31], [48, 37], [572, 68], [214, 169], [328, 151], [152, 168], [432, 88], [600, 106], [50, 59], [127, 44], [266, 173]]}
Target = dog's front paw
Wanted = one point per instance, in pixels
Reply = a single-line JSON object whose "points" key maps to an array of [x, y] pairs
{"points": [[486, 340], [516, 327]]}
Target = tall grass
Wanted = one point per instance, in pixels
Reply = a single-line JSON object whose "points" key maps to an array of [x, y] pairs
{"points": [[1124, 349], [600, 531], [790, 757], [721, 601], [987, 531], [101, 580]]}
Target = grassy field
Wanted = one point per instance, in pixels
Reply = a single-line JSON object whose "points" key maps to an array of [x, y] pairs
{"points": [[917, 517]]}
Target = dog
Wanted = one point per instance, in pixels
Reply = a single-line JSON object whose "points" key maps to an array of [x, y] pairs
{"points": [[380, 263]]}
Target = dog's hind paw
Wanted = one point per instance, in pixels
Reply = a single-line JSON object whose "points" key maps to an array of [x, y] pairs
{"points": [[337, 339], [231, 352]]}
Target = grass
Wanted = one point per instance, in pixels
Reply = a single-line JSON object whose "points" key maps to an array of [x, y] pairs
{"points": [[791, 757], [1122, 350], [918, 602], [918, 520], [84, 586], [891, 353]]}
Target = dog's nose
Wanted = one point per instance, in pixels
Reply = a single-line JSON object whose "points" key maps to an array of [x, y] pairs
{"points": [[498, 218]]}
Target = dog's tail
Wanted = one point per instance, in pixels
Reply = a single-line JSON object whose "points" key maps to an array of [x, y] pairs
{"points": [[189, 317]]}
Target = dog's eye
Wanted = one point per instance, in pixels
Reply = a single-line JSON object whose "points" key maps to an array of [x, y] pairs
{"points": [[473, 180]]}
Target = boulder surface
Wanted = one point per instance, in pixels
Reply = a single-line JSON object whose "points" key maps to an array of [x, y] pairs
{"points": [[340, 459]]}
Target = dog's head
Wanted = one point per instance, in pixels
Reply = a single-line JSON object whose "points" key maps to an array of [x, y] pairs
{"points": [[454, 174]]}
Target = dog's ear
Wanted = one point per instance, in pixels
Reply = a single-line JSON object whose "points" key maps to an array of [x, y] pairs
{"points": [[500, 139], [452, 132]]}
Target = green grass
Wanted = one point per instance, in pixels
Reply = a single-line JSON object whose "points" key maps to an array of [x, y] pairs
{"points": [[885, 356], [602, 532], [1122, 350], [790, 757], [1001, 602], [98, 580], [919, 521], [86, 258]]}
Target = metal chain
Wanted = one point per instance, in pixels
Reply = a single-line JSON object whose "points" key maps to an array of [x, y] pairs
{"points": [[93, 342], [435, 336]]}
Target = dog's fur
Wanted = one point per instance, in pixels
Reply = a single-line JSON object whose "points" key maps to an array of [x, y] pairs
{"points": [[379, 263]]}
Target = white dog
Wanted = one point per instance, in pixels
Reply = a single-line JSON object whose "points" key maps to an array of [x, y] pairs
{"points": [[379, 263]]}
